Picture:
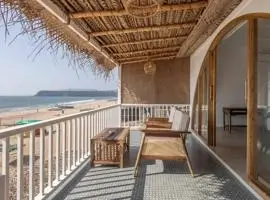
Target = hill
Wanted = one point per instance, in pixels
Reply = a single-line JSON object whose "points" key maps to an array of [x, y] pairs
{"points": [[78, 93]]}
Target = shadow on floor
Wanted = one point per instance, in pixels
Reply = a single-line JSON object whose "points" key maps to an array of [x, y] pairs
{"points": [[158, 180]]}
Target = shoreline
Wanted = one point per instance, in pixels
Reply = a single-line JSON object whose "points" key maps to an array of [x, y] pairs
{"points": [[9, 118]]}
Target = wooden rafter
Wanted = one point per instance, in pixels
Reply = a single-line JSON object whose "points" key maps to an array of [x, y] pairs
{"points": [[147, 57], [147, 51], [145, 41], [144, 29], [174, 7], [144, 60]]}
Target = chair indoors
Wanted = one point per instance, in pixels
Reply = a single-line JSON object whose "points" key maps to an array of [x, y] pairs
{"points": [[165, 143], [161, 122]]}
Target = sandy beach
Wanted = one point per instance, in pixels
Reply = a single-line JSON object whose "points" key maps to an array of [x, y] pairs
{"points": [[9, 118]]}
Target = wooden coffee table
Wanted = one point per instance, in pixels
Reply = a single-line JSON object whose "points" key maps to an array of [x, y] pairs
{"points": [[109, 146]]}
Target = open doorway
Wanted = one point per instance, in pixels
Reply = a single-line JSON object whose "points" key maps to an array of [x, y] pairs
{"points": [[231, 108]]}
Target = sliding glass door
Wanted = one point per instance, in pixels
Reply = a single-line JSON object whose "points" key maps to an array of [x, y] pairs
{"points": [[261, 99]]}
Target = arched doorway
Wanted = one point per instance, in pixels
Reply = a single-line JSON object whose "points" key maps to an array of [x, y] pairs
{"points": [[236, 74]]}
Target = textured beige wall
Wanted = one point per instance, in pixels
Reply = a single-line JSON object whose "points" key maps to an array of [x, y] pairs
{"points": [[169, 85]]}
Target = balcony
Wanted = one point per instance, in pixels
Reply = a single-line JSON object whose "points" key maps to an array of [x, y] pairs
{"points": [[53, 162]]}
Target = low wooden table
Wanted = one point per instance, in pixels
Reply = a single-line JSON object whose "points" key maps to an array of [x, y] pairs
{"points": [[232, 111], [109, 146]]}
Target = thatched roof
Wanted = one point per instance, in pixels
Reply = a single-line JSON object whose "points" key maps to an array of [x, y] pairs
{"points": [[105, 33]]}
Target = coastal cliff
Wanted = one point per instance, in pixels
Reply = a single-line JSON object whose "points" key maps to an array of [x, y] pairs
{"points": [[78, 93]]}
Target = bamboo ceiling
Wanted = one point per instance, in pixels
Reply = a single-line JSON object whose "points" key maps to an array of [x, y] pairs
{"points": [[104, 32]]}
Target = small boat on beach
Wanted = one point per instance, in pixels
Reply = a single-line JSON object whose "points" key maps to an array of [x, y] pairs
{"points": [[58, 107], [65, 106]]}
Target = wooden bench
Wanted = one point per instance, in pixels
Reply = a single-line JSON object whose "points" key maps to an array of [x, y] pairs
{"points": [[109, 146]]}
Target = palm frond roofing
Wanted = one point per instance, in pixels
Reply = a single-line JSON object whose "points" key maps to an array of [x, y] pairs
{"points": [[101, 34]]}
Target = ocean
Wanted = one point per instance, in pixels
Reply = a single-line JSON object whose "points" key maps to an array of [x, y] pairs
{"points": [[14, 103]]}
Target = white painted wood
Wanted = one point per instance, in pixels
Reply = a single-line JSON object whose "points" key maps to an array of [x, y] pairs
{"points": [[50, 157], [63, 134], [12, 131], [19, 167], [78, 139], [88, 135], [74, 132], [69, 145], [5, 164], [31, 165], [57, 150], [85, 138], [82, 139], [41, 167]]}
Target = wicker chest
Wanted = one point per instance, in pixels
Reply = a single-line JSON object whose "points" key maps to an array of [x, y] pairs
{"points": [[109, 146]]}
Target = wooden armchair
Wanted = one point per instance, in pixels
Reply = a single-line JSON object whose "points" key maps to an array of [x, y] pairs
{"points": [[160, 121], [165, 143]]}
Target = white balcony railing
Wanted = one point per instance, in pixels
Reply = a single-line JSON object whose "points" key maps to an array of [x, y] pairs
{"points": [[134, 115], [38, 157]]}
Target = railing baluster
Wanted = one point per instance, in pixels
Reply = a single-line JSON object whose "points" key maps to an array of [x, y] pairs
{"points": [[63, 132], [31, 164], [20, 166], [50, 157], [88, 135], [41, 167], [85, 136], [78, 135], [99, 124], [74, 132], [82, 138], [57, 150], [5, 164], [69, 145], [103, 119]]}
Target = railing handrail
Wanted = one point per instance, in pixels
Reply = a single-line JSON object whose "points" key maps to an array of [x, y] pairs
{"points": [[124, 104], [11, 131]]}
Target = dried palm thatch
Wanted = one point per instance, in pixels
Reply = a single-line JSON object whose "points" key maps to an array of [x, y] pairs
{"points": [[214, 14], [124, 31], [49, 33]]}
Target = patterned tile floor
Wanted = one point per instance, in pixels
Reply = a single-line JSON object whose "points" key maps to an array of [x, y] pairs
{"points": [[158, 180]]}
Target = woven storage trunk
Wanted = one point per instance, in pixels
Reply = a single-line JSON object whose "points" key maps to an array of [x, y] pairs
{"points": [[109, 146], [106, 151]]}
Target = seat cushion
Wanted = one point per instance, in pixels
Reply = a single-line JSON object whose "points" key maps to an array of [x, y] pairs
{"points": [[163, 148]]}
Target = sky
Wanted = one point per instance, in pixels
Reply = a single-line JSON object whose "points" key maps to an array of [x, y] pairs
{"points": [[23, 74]]}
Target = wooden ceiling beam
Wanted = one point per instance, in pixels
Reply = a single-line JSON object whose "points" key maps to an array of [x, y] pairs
{"points": [[144, 29], [145, 41], [145, 60], [147, 57], [64, 18], [147, 51], [118, 13]]}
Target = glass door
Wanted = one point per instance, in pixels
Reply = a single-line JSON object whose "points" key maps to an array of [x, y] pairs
{"points": [[261, 99]]}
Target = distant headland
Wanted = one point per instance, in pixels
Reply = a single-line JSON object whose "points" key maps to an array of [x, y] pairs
{"points": [[77, 93]]}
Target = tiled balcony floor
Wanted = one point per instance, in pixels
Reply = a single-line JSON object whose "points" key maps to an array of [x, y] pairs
{"points": [[158, 180]]}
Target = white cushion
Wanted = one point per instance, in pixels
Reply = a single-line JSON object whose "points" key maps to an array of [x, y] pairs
{"points": [[173, 109], [180, 121]]}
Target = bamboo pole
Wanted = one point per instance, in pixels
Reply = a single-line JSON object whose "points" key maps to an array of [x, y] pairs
{"points": [[145, 41], [145, 60], [144, 29], [147, 51], [118, 13], [147, 57]]}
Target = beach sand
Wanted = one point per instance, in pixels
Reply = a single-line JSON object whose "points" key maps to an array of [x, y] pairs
{"points": [[8, 119]]}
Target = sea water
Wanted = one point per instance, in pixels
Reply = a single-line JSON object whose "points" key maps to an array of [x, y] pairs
{"points": [[13, 103]]}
